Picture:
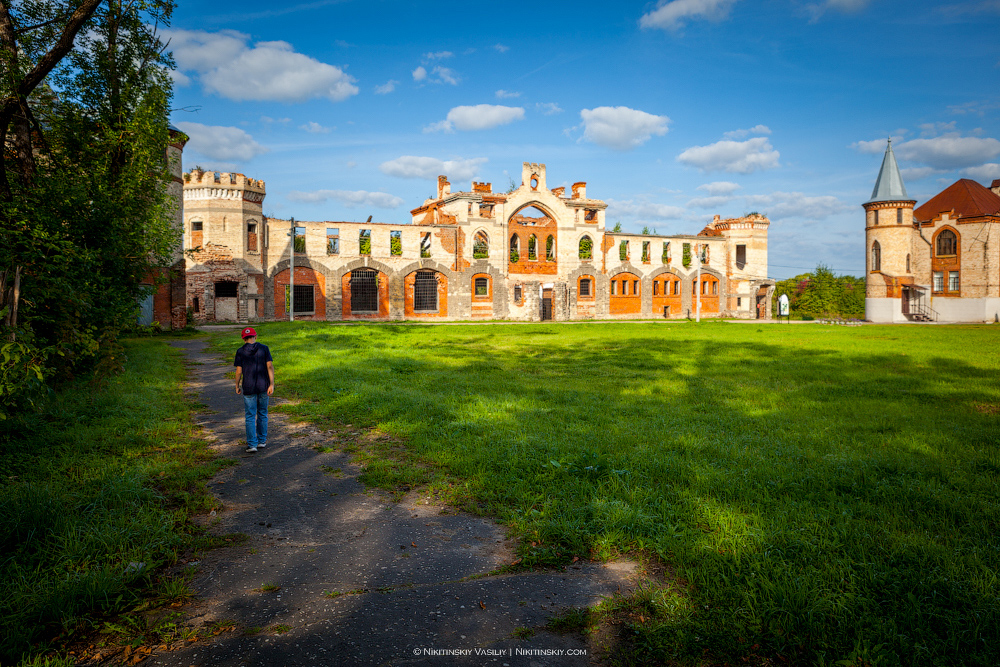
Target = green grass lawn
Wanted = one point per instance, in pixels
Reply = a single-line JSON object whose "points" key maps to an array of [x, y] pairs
{"points": [[819, 493], [96, 490]]}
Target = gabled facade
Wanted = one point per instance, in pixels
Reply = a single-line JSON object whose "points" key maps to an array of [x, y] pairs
{"points": [[937, 262], [534, 253]]}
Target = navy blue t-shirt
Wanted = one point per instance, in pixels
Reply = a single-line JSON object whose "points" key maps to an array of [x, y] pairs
{"points": [[253, 359]]}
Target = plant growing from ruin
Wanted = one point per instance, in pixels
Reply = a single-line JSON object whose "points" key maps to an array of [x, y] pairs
{"points": [[586, 248], [686, 255]]}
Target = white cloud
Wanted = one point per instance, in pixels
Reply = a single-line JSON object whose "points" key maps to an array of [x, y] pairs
{"points": [[917, 173], [738, 157], [478, 117], [719, 188], [445, 75], [621, 128], [220, 142], [315, 128], [438, 55], [386, 87], [506, 94], [949, 151], [984, 172], [419, 74], [501, 48], [629, 208], [412, 166], [778, 205], [268, 119], [228, 66], [709, 202], [349, 198], [739, 134], [873, 147], [548, 108], [671, 15]]}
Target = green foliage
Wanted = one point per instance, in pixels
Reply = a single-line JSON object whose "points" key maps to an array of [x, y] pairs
{"points": [[686, 255], [586, 248], [666, 252], [300, 243], [96, 488], [623, 251], [822, 294], [617, 227], [396, 245], [22, 376], [514, 255], [822, 493], [550, 249]]}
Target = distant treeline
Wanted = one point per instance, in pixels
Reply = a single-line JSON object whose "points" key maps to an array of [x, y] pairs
{"points": [[822, 294]]}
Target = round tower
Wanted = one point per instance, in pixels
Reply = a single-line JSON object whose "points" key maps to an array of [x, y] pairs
{"points": [[888, 244]]}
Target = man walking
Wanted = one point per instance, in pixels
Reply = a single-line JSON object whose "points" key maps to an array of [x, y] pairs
{"points": [[255, 369]]}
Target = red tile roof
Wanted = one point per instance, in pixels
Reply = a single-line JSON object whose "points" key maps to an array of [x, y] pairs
{"points": [[965, 197]]}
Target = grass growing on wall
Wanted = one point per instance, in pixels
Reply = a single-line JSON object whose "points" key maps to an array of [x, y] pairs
{"points": [[825, 493], [95, 492]]}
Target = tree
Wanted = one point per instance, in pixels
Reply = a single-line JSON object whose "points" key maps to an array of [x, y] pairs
{"points": [[617, 227], [823, 294], [84, 212]]}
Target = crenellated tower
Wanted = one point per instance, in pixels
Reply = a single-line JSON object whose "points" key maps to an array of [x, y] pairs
{"points": [[888, 242]]}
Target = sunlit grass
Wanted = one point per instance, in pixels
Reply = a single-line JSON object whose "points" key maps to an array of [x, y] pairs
{"points": [[825, 493]]}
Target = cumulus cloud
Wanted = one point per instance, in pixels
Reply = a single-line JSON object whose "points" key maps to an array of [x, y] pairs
{"points": [[739, 134], [621, 128], [719, 188], [478, 117], [917, 173], [778, 205], [349, 198], [672, 14], [221, 142], [419, 74], [228, 66], [709, 202], [501, 48], [412, 166], [949, 151], [984, 172], [548, 108], [505, 94], [315, 128], [738, 157], [445, 75], [386, 87], [873, 147], [628, 208]]}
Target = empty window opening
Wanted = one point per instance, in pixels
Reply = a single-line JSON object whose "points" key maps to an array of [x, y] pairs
{"points": [[425, 292], [532, 248], [302, 302], [741, 257], [590, 215], [515, 249], [704, 253], [480, 246], [947, 243], [739, 302], [482, 287], [364, 291], [875, 217], [586, 248], [623, 251], [635, 288], [252, 236], [332, 241], [300, 240], [666, 252], [585, 287], [517, 294], [534, 182], [899, 216], [396, 243], [656, 288], [645, 252], [197, 305], [365, 242], [686, 254], [425, 245], [226, 289], [876, 256], [614, 288], [550, 249]]}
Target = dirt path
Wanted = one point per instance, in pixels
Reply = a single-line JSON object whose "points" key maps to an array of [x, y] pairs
{"points": [[409, 580]]}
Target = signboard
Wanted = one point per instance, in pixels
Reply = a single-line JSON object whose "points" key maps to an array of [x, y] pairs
{"points": [[783, 305]]}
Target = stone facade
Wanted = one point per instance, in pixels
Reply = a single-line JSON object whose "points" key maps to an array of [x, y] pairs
{"points": [[933, 262], [530, 254]]}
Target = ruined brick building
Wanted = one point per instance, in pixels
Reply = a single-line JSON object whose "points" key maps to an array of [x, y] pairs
{"points": [[937, 262], [530, 254]]}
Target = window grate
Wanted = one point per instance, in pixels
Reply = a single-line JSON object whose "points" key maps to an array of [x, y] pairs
{"points": [[364, 291], [425, 292], [585, 287], [482, 287], [302, 302], [226, 289]]}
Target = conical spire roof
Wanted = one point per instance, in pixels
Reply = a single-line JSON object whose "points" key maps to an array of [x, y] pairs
{"points": [[889, 185]]}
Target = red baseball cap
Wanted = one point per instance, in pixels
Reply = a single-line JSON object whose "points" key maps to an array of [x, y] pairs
{"points": [[248, 332]]}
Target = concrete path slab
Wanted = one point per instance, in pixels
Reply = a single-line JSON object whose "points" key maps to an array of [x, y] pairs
{"points": [[334, 574]]}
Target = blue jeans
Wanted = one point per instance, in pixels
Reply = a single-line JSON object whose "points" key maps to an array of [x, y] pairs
{"points": [[256, 416]]}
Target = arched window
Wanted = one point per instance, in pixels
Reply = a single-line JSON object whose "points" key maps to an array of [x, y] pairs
{"points": [[532, 247], [550, 249], [947, 243], [586, 248], [515, 249], [876, 256], [425, 292], [480, 246]]}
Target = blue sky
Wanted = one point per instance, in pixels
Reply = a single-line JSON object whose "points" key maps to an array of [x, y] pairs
{"points": [[670, 111]]}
